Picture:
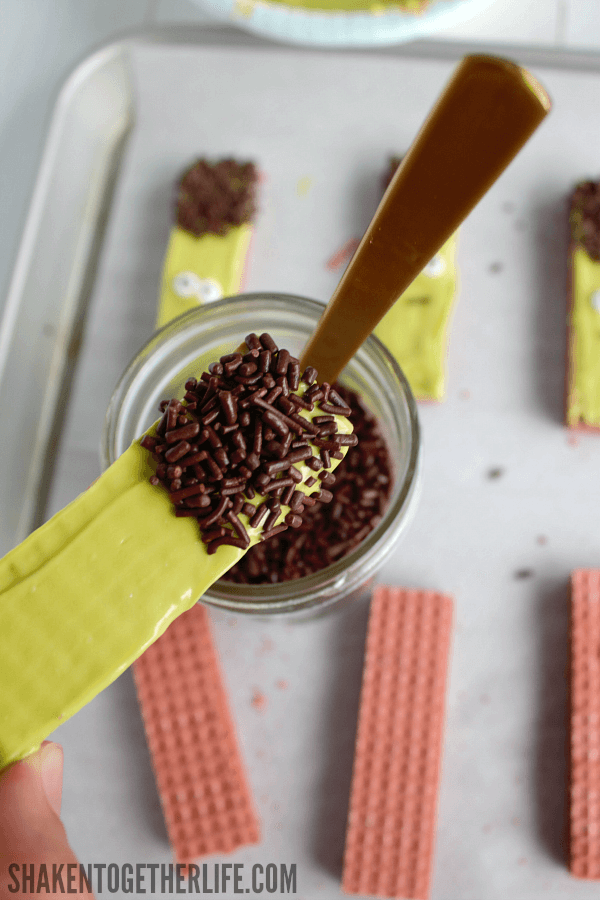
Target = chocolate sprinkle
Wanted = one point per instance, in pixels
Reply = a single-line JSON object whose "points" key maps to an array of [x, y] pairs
{"points": [[214, 197], [360, 490], [248, 446], [585, 217]]}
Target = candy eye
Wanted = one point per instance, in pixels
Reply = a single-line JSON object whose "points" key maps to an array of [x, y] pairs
{"points": [[595, 301], [188, 284], [210, 290], [435, 267]]}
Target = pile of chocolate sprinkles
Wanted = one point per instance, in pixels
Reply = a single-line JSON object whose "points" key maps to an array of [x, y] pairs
{"points": [[238, 434], [363, 481], [214, 197], [584, 217]]}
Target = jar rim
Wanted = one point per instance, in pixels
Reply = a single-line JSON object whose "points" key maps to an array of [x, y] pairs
{"points": [[322, 586]]}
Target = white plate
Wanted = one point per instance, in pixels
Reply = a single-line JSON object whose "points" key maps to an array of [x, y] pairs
{"points": [[336, 27]]}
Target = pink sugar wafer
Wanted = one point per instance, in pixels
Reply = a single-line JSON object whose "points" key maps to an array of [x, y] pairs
{"points": [[584, 782], [200, 775], [393, 802]]}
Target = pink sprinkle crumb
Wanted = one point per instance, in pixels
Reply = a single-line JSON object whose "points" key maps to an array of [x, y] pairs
{"points": [[259, 701], [542, 540], [342, 256], [573, 440], [465, 394], [265, 647], [282, 684]]}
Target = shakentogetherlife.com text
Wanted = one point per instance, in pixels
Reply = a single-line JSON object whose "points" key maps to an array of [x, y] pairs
{"points": [[152, 878]]}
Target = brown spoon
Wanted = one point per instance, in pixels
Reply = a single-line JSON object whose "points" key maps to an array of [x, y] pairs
{"points": [[486, 113]]}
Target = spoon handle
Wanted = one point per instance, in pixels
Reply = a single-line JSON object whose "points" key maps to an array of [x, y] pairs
{"points": [[486, 113]]}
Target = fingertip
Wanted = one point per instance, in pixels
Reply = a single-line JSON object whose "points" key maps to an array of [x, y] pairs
{"points": [[30, 801]]}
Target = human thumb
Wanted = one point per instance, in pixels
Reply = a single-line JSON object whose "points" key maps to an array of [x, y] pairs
{"points": [[30, 828]]}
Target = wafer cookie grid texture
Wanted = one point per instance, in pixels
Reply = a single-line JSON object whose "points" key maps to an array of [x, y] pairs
{"points": [[393, 803], [584, 782], [201, 779]]}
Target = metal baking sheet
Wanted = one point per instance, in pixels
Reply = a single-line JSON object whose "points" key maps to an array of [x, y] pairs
{"points": [[508, 505]]}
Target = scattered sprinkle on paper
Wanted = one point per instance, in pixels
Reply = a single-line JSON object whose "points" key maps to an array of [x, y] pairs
{"points": [[259, 701], [342, 256], [304, 185]]}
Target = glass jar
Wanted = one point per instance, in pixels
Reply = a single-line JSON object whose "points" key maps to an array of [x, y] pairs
{"points": [[188, 344]]}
